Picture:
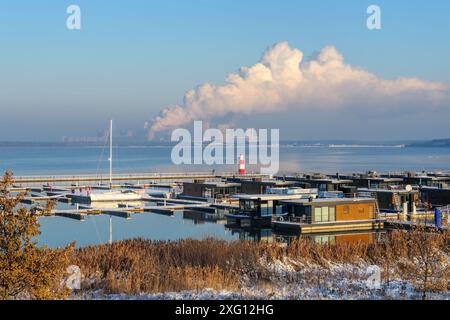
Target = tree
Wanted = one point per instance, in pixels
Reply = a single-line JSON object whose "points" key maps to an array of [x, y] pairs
{"points": [[429, 263], [26, 270]]}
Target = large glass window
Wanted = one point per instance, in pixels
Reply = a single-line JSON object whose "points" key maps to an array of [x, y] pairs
{"points": [[247, 205], [324, 214]]}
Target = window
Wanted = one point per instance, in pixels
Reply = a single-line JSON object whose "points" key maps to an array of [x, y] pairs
{"points": [[265, 209], [279, 210], [317, 214], [324, 214], [332, 214], [247, 205]]}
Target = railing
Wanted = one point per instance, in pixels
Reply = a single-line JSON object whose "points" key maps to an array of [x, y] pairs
{"points": [[127, 176], [294, 219]]}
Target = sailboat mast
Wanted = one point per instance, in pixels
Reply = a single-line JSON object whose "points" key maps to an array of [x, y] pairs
{"points": [[110, 153]]}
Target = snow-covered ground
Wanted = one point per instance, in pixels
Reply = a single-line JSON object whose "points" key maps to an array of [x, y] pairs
{"points": [[289, 280]]}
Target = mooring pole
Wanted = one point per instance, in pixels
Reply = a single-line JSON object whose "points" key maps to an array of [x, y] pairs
{"points": [[110, 229], [437, 217]]}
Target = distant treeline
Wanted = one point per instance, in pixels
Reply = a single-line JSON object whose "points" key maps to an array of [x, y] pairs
{"points": [[436, 143], [76, 144], [118, 142], [443, 143]]}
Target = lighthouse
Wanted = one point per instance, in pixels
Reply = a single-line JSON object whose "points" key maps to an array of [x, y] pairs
{"points": [[241, 164]]}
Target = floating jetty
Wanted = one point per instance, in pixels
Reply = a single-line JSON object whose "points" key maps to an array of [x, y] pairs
{"points": [[128, 177], [410, 225], [123, 211]]}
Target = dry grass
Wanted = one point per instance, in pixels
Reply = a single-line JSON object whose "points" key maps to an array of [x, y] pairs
{"points": [[135, 266], [142, 266]]}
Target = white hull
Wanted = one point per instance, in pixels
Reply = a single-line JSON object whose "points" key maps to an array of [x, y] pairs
{"points": [[115, 196]]}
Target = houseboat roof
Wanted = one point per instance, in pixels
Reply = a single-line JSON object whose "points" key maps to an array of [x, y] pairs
{"points": [[380, 179], [304, 202], [435, 188], [386, 190], [216, 184], [267, 196], [430, 178], [222, 184], [321, 179], [275, 182]]}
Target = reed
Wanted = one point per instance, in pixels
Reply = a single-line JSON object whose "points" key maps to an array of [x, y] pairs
{"points": [[143, 266]]}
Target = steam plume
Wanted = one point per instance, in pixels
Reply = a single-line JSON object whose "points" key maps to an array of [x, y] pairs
{"points": [[281, 80]]}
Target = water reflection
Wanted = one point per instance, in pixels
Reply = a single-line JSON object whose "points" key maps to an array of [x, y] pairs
{"points": [[366, 237], [266, 234]]}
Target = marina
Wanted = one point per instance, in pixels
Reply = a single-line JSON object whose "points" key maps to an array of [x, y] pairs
{"points": [[286, 207], [231, 202]]}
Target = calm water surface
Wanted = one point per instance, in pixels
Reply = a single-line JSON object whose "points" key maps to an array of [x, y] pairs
{"points": [[73, 160]]}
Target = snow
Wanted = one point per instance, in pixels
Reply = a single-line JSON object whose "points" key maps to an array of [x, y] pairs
{"points": [[290, 280]]}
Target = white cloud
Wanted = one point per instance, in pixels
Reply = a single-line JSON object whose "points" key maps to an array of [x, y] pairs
{"points": [[282, 81]]}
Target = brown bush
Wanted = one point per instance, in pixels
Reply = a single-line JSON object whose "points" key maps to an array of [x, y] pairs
{"points": [[26, 270]]}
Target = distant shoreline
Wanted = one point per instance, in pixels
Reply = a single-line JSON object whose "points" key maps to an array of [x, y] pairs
{"points": [[286, 144]]}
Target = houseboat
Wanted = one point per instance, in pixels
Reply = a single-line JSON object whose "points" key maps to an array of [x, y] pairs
{"points": [[328, 215], [424, 178], [373, 180], [260, 186], [210, 190], [434, 196], [395, 200], [258, 209]]}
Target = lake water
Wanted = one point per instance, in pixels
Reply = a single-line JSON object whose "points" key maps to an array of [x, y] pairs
{"points": [[57, 231], [73, 160]]}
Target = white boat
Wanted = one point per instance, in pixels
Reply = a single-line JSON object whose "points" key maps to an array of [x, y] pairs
{"points": [[111, 195], [116, 195]]}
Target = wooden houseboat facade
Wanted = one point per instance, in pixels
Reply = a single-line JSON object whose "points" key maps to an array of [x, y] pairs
{"points": [[328, 215]]}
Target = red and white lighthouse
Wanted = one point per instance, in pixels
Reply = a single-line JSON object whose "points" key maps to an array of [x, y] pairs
{"points": [[241, 164]]}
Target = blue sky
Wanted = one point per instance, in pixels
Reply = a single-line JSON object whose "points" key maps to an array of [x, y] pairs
{"points": [[133, 58]]}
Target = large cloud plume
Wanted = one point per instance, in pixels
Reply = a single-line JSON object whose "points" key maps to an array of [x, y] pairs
{"points": [[281, 80]]}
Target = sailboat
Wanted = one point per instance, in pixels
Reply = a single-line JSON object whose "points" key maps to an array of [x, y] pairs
{"points": [[114, 195]]}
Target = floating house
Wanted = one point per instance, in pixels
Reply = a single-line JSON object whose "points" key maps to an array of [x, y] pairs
{"points": [[395, 200], [434, 196], [328, 215], [202, 190], [373, 180], [259, 186], [427, 179], [258, 209]]}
